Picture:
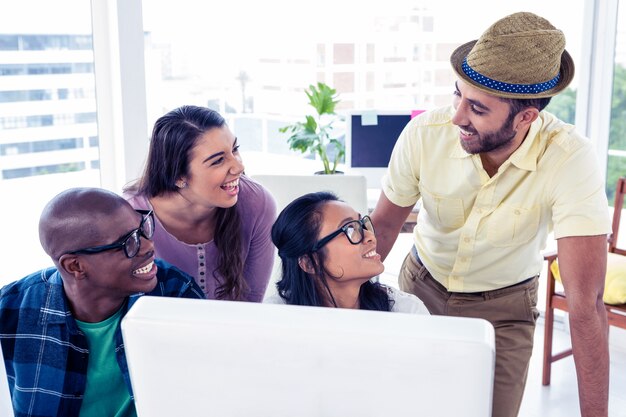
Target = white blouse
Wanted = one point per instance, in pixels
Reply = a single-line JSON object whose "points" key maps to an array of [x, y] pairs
{"points": [[403, 301]]}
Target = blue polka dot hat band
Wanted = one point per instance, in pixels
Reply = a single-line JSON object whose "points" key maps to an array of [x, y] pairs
{"points": [[507, 87]]}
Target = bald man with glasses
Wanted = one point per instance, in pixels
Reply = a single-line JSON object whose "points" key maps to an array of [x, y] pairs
{"points": [[60, 327]]}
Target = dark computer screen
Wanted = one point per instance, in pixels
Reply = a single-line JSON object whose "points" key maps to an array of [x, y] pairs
{"points": [[371, 144]]}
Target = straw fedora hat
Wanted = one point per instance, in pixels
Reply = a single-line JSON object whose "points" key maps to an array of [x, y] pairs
{"points": [[520, 56]]}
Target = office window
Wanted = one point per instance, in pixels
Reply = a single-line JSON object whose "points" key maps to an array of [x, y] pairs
{"points": [[321, 55], [343, 53], [444, 50], [38, 69], [428, 23], [282, 55], [47, 114], [40, 146], [370, 81], [344, 81], [43, 170], [370, 53]]}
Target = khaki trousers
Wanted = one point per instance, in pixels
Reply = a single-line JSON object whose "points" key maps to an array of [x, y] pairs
{"points": [[512, 311]]}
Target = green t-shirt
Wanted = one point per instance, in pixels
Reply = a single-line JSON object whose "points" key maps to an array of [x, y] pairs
{"points": [[106, 394]]}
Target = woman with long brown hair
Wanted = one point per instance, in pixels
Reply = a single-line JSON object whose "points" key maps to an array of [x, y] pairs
{"points": [[212, 221]]}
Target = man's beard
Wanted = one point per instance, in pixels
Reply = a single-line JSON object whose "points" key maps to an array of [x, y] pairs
{"points": [[487, 142]]}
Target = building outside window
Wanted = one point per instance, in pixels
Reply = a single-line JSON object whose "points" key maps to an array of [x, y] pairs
{"points": [[47, 119]]}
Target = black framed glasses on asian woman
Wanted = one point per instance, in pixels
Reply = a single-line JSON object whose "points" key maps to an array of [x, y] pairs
{"points": [[354, 231], [131, 242]]}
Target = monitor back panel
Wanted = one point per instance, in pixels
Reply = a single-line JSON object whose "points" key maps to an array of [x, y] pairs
{"points": [[224, 358]]}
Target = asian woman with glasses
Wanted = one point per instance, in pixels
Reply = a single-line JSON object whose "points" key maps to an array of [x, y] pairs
{"points": [[328, 254]]}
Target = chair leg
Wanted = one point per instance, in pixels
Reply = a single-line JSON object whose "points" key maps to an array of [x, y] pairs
{"points": [[547, 344]]}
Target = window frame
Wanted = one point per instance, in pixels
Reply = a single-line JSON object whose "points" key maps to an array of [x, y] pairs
{"points": [[595, 89], [118, 44]]}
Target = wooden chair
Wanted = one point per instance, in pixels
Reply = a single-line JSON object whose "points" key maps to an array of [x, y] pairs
{"points": [[556, 300]]}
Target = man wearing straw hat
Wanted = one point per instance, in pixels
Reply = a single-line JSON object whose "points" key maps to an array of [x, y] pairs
{"points": [[496, 175]]}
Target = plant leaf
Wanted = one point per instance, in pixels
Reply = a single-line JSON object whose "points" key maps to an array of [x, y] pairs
{"points": [[323, 98], [312, 136], [302, 141], [341, 149], [311, 125]]}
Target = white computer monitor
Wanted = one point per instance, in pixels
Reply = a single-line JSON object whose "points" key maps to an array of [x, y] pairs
{"points": [[225, 358], [370, 138], [287, 187]]}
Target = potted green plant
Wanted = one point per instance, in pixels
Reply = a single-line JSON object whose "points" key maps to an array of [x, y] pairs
{"points": [[314, 135]]}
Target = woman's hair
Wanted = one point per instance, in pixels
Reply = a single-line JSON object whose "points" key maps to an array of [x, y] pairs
{"points": [[294, 233], [173, 137]]}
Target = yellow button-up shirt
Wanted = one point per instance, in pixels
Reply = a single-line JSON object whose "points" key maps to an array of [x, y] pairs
{"points": [[479, 233]]}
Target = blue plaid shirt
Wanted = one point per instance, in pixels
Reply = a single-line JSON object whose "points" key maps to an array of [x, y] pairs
{"points": [[45, 353]]}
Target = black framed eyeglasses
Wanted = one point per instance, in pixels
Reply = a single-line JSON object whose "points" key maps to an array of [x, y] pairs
{"points": [[131, 242], [354, 231]]}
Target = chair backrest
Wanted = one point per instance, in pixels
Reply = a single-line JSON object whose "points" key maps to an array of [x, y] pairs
{"points": [[620, 192], [285, 188]]}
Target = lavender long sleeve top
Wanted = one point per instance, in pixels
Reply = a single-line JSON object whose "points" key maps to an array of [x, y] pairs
{"points": [[257, 210]]}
